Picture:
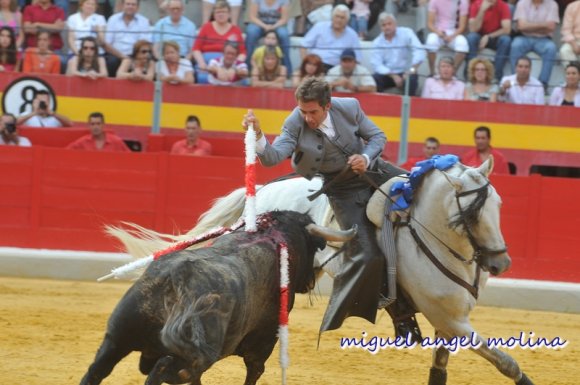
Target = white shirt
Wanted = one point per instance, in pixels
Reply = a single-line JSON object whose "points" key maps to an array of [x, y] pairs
{"points": [[123, 36], [47, 121], [531, 93], [183, 67], [22, 142], [361, 77], [85, 27]]}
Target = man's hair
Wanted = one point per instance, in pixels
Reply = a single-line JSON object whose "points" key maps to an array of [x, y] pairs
{"points": [[386, 15], [341, 8], [11, 116], [432, 139], [447, 59], [42, 92], [313, 90], [525, 58], [193, 118], [483, 129], [97, 115], [233, 44]]}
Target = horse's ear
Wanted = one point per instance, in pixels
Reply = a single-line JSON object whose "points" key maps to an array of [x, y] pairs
{"points": [[486, 167], [456, 182]]}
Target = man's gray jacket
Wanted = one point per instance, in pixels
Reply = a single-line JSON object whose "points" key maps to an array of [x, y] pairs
{"points": [[355, 134]]}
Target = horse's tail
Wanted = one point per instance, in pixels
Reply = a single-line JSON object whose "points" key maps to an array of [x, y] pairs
{"points": [[141, 242]]}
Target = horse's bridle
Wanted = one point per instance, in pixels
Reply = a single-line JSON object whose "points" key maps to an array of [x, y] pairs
{"points": [[478, 250]]}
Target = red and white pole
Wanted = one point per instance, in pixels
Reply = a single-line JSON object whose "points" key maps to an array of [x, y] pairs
{"points": [[283, 316], [250, 208]]}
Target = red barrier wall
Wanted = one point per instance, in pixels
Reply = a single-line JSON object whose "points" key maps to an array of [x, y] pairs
{"points": [[59, 199]]}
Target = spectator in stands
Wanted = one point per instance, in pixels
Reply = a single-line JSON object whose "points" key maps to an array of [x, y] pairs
{"points": [[11, 17], [10, 57], [569, 93], [396, 54], [480, 77], [269, 15], [445, 85], [175, 27], [99, 139], [234, 7], [483, 150], [490, 26], [43, 15], [311, 66], [192, 144], [139, 65], [536, 21], [570, 50], [9, 132], [42, 114], [41, 59], [88, 63], [447, 21], [85, 23], [350, 76], [521, 88], [214, 34], [430, 148], [328, 39], [270, 72], [172, 68], [228, 70], [359, 16], [124, 29], [313, 11], [270, 40]]}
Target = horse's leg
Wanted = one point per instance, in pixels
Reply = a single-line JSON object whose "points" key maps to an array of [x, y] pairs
{"points": [[503, 362], [438, 372]]}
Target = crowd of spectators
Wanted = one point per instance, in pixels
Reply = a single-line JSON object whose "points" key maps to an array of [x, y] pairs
{"points": [[42, 38]]}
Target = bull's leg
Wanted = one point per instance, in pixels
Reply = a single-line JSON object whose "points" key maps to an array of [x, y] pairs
{"points": [[438, 372], [503, 362], [171, 370], [256, 356], [108, 355]]}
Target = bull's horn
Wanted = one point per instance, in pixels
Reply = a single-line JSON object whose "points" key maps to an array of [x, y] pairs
{"points": [[332, 235]]}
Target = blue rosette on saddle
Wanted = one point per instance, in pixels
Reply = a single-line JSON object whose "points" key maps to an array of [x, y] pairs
{"points": [[404, 190]]}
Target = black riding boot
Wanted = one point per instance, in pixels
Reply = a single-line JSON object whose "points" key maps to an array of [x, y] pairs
{"points": [[404, 320]]}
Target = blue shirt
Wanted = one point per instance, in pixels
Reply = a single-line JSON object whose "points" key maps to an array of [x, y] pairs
{"points": [[123, 36], [399, 54], [182, 33], [322, 41]]}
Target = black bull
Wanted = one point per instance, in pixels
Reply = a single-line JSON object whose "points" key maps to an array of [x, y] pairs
{"points": [[195, 307]]}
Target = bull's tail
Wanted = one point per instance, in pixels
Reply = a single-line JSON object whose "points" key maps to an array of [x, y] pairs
{"points": [[194, 328], [141, 242]]}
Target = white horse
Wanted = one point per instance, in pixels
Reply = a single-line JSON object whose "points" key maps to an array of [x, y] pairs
{"points": [[454, 210]]}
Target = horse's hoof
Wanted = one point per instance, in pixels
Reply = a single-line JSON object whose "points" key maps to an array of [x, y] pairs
{"points": [[524, 380], [438, 376]]}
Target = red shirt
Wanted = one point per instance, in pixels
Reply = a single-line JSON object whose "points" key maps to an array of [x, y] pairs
{"points": [[87, 142], [35, 14], [208, 40], [500, 165], [492, 17], [200, 148]]}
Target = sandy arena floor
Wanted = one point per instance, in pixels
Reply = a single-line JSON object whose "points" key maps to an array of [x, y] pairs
{"points": [[52, 329]]}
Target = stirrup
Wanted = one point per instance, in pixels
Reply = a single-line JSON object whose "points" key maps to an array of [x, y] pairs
{"points": [[408, 326], [385, 302]]}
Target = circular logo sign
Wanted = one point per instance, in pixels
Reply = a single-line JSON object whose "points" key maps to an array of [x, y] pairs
{"points": [[18, 95]]}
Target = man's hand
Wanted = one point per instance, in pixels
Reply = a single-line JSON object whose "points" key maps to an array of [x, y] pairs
{"points": [[251, 119], [485, 4], [483, 42], [358, 163]]}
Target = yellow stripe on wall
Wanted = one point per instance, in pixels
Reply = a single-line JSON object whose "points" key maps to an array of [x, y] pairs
{"points": [[228, 119]]}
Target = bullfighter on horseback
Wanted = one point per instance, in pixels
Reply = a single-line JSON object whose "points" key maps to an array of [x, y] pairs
{"points": [[333, 137]]}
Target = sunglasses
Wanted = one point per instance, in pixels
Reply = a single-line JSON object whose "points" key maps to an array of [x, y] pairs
{"points": [[145, 51], [91, 47]]}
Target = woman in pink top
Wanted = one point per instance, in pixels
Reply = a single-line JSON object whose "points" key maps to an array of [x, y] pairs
{"points": [[569, 93], [214, 34], [11, 17]]}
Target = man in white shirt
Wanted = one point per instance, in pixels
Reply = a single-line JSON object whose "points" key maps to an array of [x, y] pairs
{"points": [[396, 52], [349, 76], [9, 132], [42, 114], [521, 88], [124, 29]]}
